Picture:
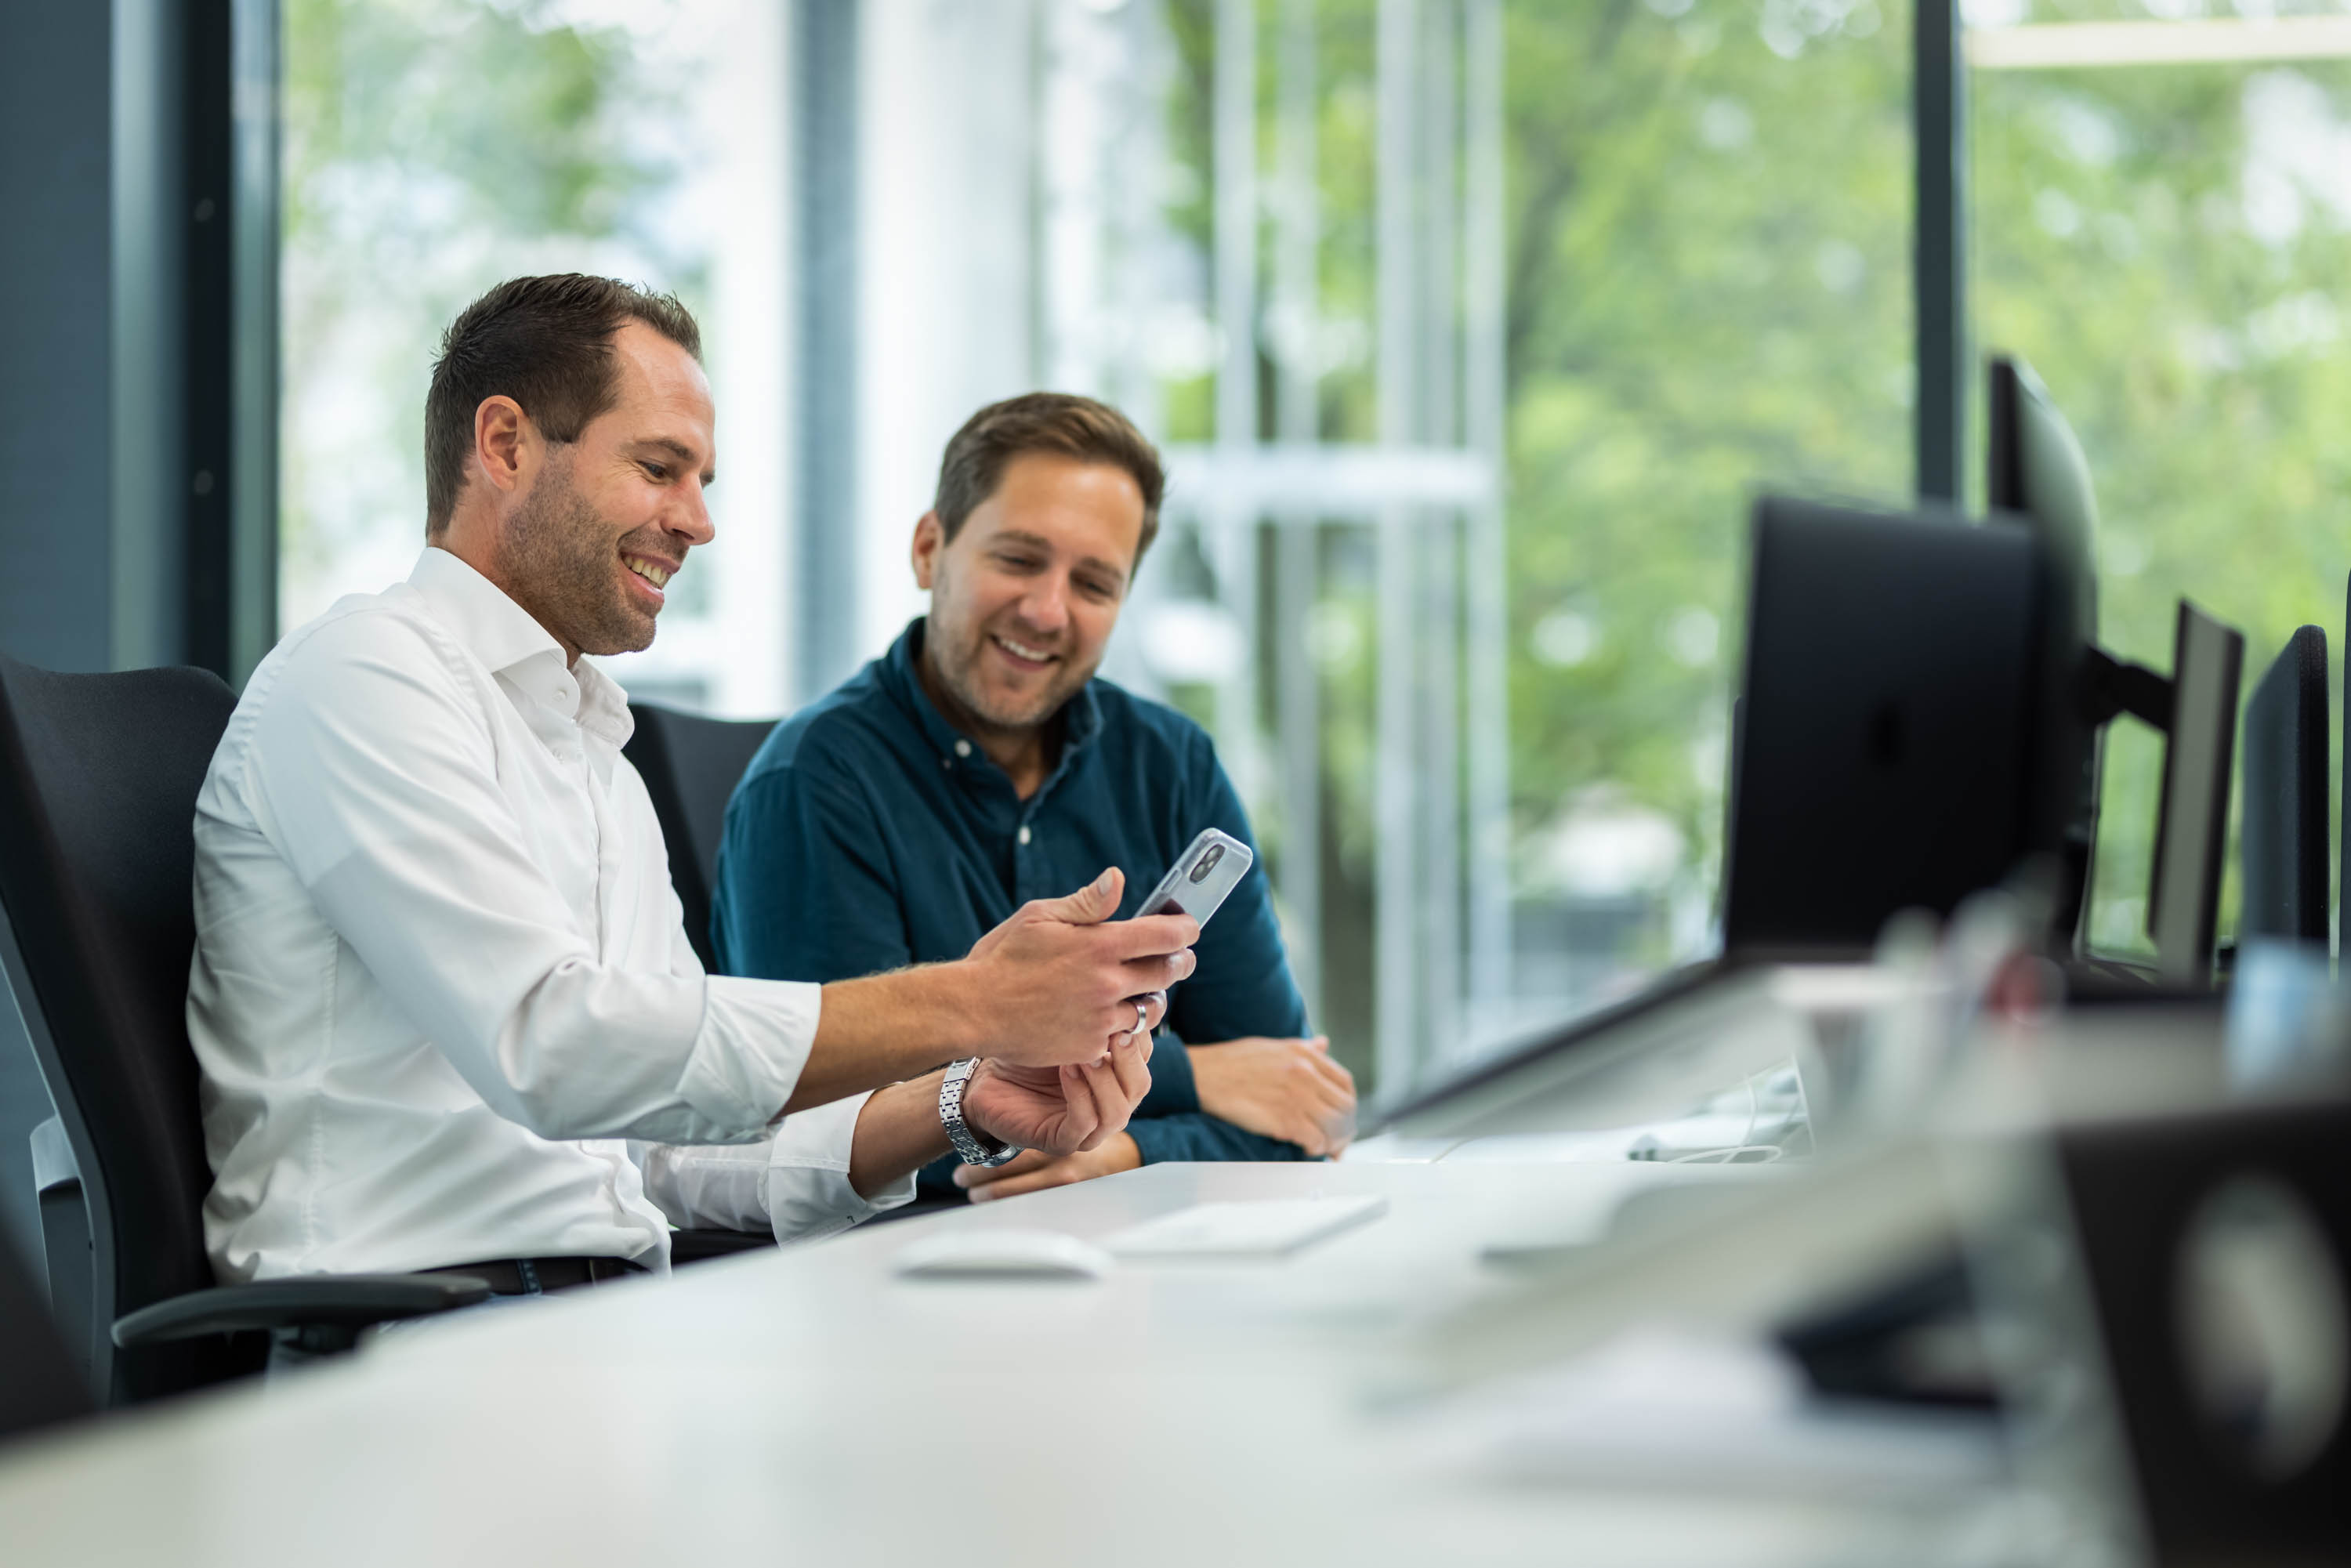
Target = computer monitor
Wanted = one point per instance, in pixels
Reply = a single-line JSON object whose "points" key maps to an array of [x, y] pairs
{"points": [[2282, 839], [1884, 724], [2038, 473], [2183, 901], [2344, 886]]}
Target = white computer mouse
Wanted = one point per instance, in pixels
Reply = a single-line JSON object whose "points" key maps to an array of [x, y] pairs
{"points": [[1002, 1253]]}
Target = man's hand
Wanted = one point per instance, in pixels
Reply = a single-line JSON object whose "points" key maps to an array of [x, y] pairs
{"points": [[1035, 1170], [1053, 1110], [1061, 1110], [1285, 1089], [1058, 982]]}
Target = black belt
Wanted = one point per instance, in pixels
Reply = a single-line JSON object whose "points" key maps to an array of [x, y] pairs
{"points": [[533, 1276]]}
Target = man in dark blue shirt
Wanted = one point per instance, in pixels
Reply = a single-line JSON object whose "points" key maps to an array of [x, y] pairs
{"points": [[979, 764]]}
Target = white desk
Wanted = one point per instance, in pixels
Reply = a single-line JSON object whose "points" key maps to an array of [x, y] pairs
{"points": [[806, 1408]]}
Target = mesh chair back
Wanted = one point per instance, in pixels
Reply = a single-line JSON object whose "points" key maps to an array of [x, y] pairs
{"points": [[99, 776], [691, 765]]}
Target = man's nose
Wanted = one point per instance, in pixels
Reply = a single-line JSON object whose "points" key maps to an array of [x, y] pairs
{"points": [[1046, 606], [690, 520]]}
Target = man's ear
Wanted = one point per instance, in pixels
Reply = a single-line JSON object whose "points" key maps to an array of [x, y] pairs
{"points": [[504, 443], [930, 539]]}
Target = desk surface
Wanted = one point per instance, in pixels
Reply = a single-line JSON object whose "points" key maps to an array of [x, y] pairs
{"points": [[808, 1407]]}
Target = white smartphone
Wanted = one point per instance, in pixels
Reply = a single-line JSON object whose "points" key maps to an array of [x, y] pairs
{"points": [[1209, 868]]}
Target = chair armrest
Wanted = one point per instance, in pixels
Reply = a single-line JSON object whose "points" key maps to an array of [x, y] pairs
{"points": [[695, 1246], [334, 1301], [54, 1165]]}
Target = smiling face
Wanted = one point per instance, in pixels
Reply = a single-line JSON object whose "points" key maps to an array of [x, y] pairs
{"points": [[589, 532], [1024, 597]]}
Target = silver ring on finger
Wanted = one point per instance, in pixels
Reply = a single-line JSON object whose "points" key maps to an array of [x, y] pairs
{"points": [[1141, 1019]]}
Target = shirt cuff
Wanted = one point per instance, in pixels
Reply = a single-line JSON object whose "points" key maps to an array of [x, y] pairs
{"points": [[809, 1192], [754, 1039], [1156, 1141]]}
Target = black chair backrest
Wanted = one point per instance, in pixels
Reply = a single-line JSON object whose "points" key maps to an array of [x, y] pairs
{"points": [[99, 778], [691, 765], [41, 1387]]}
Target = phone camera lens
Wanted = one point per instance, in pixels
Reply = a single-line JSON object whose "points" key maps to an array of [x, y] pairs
{"points": [[1208, 862]]}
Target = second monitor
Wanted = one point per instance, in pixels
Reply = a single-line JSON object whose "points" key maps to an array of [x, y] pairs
{"points": [[1887, 750], [2192, 824], [1884, 728], [2284, 838]]}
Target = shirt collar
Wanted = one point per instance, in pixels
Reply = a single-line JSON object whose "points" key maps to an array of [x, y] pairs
{"points": [[1083, 713], [504, 636]]}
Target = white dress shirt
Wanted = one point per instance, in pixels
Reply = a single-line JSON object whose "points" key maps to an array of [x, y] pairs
{"points": [[442, 996]]}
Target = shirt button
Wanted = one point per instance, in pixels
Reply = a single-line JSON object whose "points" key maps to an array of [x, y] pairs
{"points": [[1024, 834], [963, 749]]}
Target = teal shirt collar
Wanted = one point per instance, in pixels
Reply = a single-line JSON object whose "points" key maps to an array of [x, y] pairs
{"points": [[901, 678]]}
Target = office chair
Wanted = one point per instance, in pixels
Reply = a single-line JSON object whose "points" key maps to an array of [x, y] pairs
{"points": [[690, 766], [41, 1388], [99, 775]]}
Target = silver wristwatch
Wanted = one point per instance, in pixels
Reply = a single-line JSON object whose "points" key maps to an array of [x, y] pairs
{"points": [[968, 1148]]}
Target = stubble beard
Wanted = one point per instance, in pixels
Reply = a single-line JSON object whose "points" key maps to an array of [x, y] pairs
{"points": [[954, 658], [559, 559]]}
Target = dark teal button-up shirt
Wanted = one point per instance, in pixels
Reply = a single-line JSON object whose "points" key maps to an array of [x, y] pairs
{"points": [[870, 833]]}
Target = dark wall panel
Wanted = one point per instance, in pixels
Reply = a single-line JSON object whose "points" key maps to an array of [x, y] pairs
{"points": [[137, 363], [56, 336]]}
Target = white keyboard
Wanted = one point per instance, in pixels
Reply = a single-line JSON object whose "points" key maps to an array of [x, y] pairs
{"points": [[1272, 1229]]}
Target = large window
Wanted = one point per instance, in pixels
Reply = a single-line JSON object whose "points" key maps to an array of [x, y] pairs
{"points": [[2163, 229], [434, 147], [1682, 276], [1710, 293], [1470, 327]]}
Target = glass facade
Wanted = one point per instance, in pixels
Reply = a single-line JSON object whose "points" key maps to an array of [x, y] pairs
{"points": [[2162, 223], [431, 149], [1470, 327]]}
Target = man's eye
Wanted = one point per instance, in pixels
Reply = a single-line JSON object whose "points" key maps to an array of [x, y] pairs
{"points": [[656, 471], [1018, 562]]}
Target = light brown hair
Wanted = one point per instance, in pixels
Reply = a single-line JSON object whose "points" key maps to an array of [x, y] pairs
{"points": [[1059, 423]]}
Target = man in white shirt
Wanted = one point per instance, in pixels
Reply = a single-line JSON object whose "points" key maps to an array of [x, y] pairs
{"points": [[443, 997]]}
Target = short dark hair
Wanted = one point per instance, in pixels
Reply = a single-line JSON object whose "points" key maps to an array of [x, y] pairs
{"points": [[545, 343], [1061, 422]]}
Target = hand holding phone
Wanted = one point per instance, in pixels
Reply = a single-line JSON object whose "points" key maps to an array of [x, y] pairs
{"points": [[1211, 866]]}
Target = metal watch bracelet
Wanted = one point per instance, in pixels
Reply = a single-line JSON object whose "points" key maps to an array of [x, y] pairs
{"points": [[968, 1147]]}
